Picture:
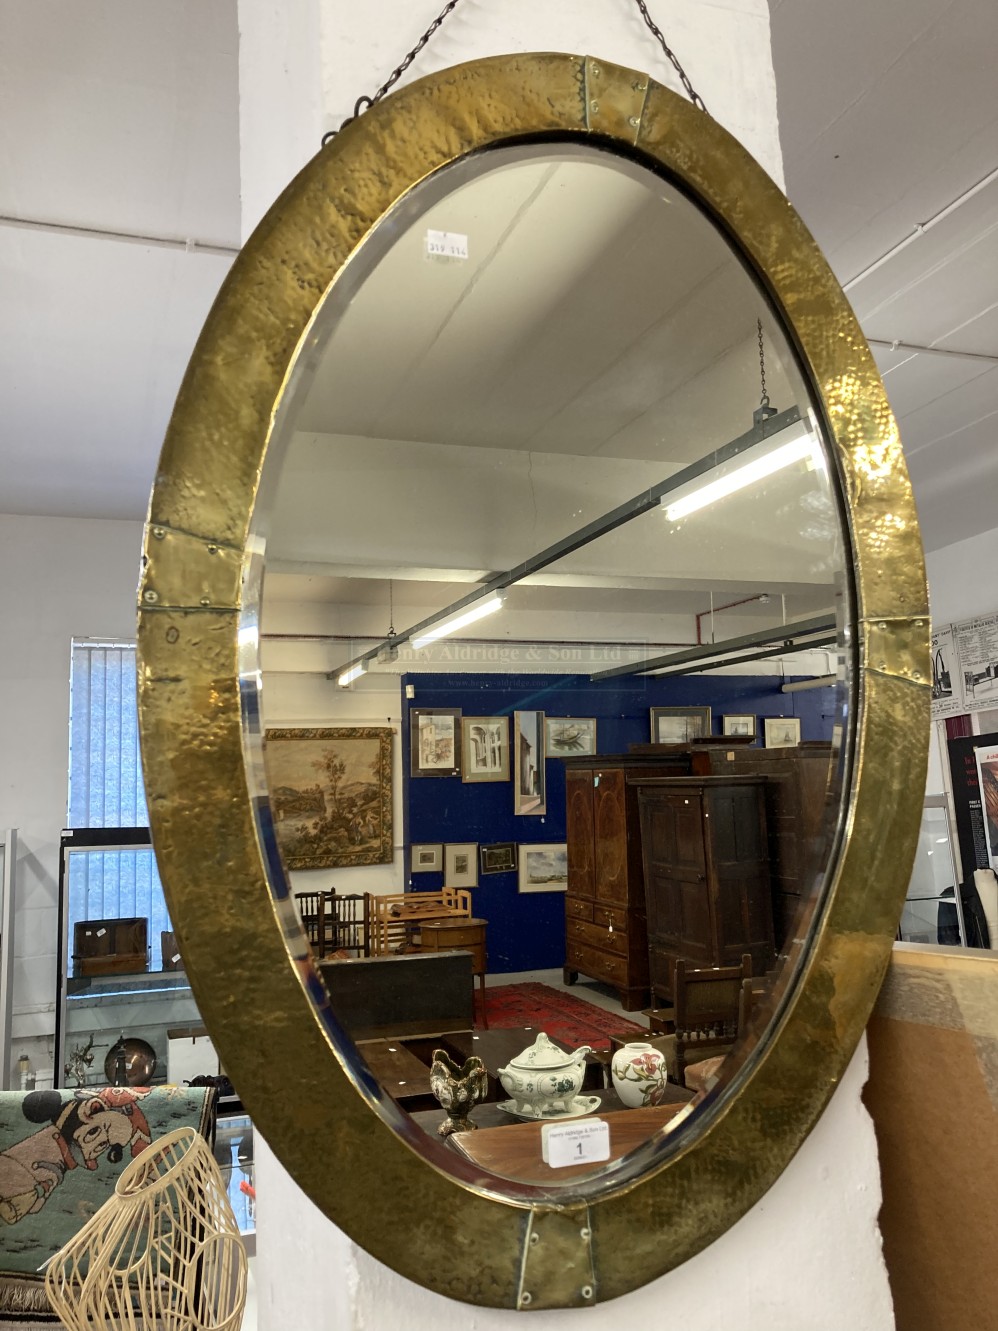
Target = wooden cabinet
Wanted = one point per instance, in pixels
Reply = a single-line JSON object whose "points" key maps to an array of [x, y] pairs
{"points": [[801, 796], [606, 936], [706, 874]]}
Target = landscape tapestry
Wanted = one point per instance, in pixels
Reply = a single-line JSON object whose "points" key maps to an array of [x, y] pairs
{"points": [[331, 795]]}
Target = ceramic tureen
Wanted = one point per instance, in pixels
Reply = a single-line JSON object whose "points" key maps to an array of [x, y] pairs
{"points": [[545, 1079]]}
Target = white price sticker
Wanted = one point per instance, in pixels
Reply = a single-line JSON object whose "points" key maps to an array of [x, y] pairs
{"points": [[583, 1143], [175, 958], [446, 245], [100, 932]]}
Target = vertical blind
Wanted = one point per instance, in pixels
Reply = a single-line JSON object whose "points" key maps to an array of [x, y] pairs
{"points": [[105, 790], [105, 774]]}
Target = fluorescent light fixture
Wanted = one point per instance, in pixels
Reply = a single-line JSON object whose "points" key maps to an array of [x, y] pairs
{"points": [[801, 445], [447, 626], [353, 673]]}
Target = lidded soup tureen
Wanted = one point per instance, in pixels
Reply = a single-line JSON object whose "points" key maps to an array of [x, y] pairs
{"points": [[545, 1078]]}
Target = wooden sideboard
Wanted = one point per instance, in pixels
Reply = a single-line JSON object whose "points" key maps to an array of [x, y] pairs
{"points": [[706, 873], [606, 936]]}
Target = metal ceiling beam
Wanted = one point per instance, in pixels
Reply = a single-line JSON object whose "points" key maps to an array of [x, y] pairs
{"points": [[787, 634], [761, 655]]}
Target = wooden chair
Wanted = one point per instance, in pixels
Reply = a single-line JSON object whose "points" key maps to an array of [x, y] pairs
{"points": [[708, 1007], [348, 924], [315, 910]]}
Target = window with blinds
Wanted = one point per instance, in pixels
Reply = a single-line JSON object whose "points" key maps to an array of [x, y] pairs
{"points": [[105, 774], [106, 791]]}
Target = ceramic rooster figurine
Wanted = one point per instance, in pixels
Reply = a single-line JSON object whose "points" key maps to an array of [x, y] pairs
{"points": [[458, 1089]]}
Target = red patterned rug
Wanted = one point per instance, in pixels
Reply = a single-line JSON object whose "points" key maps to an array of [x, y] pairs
{"points": [[564, 1017]]}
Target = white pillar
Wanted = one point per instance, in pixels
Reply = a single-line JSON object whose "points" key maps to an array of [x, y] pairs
{"points": [[808, 1254]]}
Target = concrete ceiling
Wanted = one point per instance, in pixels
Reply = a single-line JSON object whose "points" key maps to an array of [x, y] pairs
{"points": [[889, 119]]}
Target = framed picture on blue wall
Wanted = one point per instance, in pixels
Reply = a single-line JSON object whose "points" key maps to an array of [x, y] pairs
{"points": [[679, 725], [500, 857], [529, 787], [544, 868], [435, 741], [485, 748], [738, 726], [782, 732], [570, 734], [427, 858], [461, 864]]}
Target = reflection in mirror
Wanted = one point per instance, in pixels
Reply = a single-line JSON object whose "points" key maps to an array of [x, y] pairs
{"points": [[552, 653]]}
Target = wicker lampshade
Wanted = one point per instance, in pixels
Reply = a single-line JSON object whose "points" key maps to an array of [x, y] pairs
{"points": [[164, 1250]]}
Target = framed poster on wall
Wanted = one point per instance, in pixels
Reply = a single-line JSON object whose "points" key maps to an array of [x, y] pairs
{"points": [[529, 790], [435, 741], [484, 748]]}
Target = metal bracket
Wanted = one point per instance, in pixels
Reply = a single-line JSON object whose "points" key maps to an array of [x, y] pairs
{"points": [[181, 571], [557, 1269], [614, 99]]}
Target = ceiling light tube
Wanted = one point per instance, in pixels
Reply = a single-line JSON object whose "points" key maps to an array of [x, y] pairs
{"points": [[801, 446], [353, 673], [477, 611]]}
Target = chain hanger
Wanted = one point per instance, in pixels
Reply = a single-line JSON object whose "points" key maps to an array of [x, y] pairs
{"points": [[363, 103], [764, 399], [764, 410]]}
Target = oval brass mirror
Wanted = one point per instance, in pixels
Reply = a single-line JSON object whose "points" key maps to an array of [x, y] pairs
{"points": [[314, 374]]}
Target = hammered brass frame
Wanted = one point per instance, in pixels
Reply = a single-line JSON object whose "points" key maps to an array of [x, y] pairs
{"points": [[253, 982]]}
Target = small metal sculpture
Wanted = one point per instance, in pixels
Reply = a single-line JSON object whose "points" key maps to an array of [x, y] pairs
{"points": [[458, 1089], [79, 1060]]}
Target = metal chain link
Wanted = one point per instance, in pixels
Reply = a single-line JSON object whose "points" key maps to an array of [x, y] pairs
{"points": [[656, 32], [363, 103], [764, 400]]}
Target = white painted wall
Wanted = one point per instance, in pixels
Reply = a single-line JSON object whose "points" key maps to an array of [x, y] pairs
{"points": [[59, 578], [808, 1255]]}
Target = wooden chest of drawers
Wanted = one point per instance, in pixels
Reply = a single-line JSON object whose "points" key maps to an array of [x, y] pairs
{"points": [[606, 936]]}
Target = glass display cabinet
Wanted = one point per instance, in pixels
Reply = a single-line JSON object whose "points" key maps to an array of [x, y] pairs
{"points": [[933, 909], [120, 974]]}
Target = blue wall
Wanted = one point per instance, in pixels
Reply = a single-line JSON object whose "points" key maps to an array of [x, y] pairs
{"points": [[527, 932]]}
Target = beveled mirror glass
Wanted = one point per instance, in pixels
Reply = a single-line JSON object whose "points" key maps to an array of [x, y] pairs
{"points": [[534, 337]]}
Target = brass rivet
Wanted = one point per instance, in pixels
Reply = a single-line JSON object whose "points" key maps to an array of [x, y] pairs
{"points": [[535, 1238], [150, 596], [639, 87], [205, 600], [594, 105], [596, 70], [633, 120], [883, 665], [213, 549], [158, 532], [172, 634], [525, 1298], [587, 1291], [584, 1233], [881, 625], [916, 674]]}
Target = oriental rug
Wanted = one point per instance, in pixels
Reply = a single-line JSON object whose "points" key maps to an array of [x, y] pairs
{"points": [[564, 1017]]}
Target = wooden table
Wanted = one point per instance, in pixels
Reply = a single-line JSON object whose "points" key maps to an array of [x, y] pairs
{"points": [[489, 1115], [405, 1077], [515, 1152]]}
